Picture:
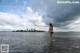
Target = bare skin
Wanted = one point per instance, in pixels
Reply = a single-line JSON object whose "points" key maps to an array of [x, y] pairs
{"points": [[51, 33]]}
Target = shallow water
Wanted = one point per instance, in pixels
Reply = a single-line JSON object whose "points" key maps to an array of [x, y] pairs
{"points": [[33, 42], [39, 42]]}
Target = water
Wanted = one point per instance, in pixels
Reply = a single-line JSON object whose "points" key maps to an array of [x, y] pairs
{"points": [[33, 42], [39, 42]]}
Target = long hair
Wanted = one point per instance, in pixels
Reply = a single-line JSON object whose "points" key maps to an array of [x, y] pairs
{"points": [[50, 24]]}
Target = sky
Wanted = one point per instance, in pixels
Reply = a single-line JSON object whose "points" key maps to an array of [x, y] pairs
{"points": [[37, 14]]}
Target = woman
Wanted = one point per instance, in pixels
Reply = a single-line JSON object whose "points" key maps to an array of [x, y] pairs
{"points": [[50, 29], [51, 33]]}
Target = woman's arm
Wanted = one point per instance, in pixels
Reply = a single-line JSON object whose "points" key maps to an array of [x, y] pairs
{"points": [[49, 29]]}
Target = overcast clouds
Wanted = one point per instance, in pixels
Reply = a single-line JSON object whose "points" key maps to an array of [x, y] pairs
{"points": [[38, 14]]}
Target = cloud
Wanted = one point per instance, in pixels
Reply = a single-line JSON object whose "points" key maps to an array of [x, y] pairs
{"points": [[29, 9], [34, 17], [74, 26], [60, 15], [11, 21], [39, 13]]}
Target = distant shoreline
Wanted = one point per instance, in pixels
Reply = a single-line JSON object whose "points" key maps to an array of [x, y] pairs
{"points": [[29, 30], [34, 30]]}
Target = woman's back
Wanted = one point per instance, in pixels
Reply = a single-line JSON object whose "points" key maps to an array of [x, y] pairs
{"points": [[50, 29]]}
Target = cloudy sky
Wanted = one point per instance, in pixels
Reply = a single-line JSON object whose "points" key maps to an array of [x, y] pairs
{"points": [[27, 14]]}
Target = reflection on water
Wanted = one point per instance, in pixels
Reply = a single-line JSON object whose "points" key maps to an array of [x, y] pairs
{"points": [[51, 47], [39, 42]]}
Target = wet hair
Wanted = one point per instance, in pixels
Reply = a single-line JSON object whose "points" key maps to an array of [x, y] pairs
{"points": [[50, 24]]}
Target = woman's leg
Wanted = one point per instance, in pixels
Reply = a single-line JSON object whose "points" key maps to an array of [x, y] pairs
{"points": [[51, 36], [51, 39]]}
